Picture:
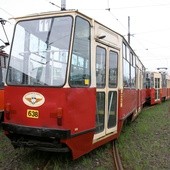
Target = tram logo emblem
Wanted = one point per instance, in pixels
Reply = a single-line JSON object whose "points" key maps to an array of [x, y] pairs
{"points": [[33, 99]]}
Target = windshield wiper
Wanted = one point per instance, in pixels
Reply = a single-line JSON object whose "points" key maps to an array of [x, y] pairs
{"points": [[49, 33]]}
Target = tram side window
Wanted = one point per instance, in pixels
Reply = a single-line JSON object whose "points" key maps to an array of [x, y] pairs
{"points": [[126, 74], [133, 74], [157, 82], [152, 82], [133, 78], [144, 77], [2, 70], [126, 66], [100, 67], [148, 83], [2, 62], [124, 51], [80, 62], [164, 80], [1, 81], [113, 69]]}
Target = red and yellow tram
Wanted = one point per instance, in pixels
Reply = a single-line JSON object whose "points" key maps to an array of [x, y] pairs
{"points": [[168, 87], [73, 83], [157, 87], [153, 87], [165, 86]]}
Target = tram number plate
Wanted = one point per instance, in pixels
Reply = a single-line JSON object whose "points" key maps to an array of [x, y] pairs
{"points": [[33, 114]]}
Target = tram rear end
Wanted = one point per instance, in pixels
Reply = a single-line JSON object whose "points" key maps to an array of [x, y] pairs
{"points": [[153, 88]]}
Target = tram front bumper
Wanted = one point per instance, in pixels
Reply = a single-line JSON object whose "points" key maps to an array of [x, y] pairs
{"points": [[36, 131]]}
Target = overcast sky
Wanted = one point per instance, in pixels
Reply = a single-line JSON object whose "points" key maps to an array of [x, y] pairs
{"points": [[149, 23]]}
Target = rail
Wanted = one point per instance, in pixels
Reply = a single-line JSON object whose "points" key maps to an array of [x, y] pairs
{"points": [[116, 157]]}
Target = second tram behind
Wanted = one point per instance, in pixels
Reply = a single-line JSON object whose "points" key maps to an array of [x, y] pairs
{"points": [[73, 83], [157, 87]]}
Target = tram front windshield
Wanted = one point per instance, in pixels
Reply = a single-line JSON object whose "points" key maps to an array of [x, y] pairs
{"points": [[39, 53]]}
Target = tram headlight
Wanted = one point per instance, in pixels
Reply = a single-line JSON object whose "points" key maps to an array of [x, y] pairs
{"points": [[58, 114]]}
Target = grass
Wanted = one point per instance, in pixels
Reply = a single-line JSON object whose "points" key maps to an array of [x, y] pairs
{"points": [[145, 143]]}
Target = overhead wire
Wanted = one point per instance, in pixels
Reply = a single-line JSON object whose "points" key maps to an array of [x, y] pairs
{"points": [[122, 25], [141, 6], [54, 4], [152, 31], [133, 35], [6, 12]]}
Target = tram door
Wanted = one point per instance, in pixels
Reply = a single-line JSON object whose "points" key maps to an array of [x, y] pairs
{"points": [[157, 88], [106, 85]]}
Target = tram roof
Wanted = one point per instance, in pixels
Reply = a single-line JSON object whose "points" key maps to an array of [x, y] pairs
{"points": [[67, 12], [49, 13]]}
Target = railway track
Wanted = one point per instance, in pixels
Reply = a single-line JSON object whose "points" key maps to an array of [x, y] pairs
{"points": [[148, 107], [116, 157]]}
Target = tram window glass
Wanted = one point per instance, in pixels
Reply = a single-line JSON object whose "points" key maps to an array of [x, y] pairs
{"points": [[112, 107], [164, 80], [113, 57], [148, 83], [124, 50], [2, 61], [128, 54], [100, 67], [100, 119], [126, 73], [144, 77], [132, 71], [1, 81], [126, 66], [152, 82], [80, 61], [40, 52], [157, 82], [133, 77]]}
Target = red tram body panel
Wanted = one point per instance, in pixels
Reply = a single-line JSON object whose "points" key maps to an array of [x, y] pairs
{"points": [[150, 93], [143, 96], [164, 93], [71, 109], [1, 100], [129, 103]]}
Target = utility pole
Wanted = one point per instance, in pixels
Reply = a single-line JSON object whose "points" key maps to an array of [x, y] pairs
{"points": [[63, 5], [129, 29]]}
